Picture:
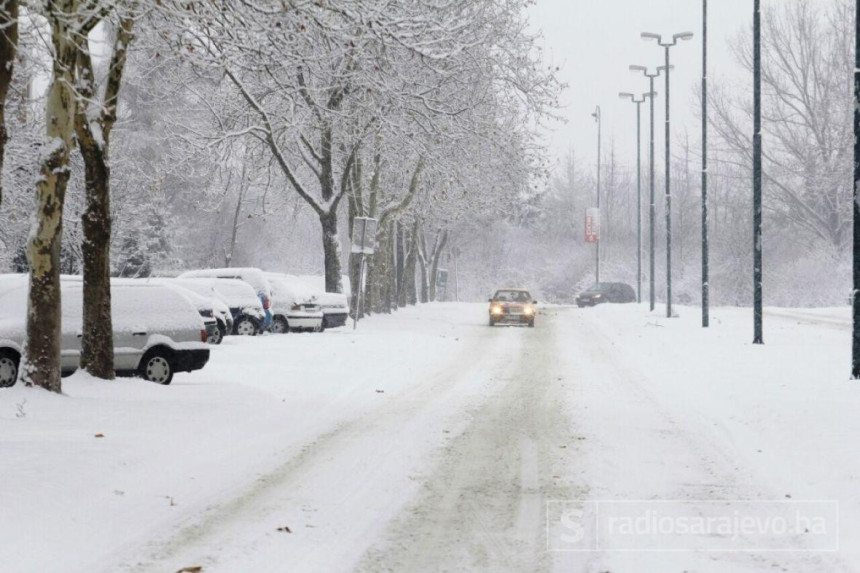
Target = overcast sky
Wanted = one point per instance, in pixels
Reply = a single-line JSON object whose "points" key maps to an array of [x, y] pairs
{"points": [[595, 41]]}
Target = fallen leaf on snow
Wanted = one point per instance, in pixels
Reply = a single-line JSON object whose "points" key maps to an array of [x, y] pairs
{"points": [[380, 391], [99, 436], [285, 529], [192, 569]]}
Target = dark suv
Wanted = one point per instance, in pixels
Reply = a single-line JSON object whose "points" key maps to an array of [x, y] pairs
{"points": [[606, 292]]}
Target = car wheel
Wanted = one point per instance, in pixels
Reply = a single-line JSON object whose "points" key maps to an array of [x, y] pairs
{"points": [[157, 367], [492, 322], [280, 325], [321, 327], [9, 361], [246, 327], [531, 324], [218, 335]]}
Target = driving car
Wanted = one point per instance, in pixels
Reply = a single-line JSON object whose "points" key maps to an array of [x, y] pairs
{"points": [[606, 292], [157, 331], [294, 306], [512, 306]]}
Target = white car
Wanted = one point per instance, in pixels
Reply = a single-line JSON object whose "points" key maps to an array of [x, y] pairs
{"points": [[157, 332], [209, 304], [335, 306], [294, 306], [254, 277], [244, 304]]}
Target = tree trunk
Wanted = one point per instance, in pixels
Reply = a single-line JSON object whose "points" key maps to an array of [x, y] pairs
{"points": [[331, 251], [97, 341], [8, 48], [406, 294], [422, 263], [44, 314], [434, 263]]}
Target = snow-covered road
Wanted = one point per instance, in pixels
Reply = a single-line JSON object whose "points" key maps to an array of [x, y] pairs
{"points": [[428, 441]]}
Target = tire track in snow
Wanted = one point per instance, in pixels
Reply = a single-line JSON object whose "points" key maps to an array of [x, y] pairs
{"points": [[239, 527], [483, 509]]}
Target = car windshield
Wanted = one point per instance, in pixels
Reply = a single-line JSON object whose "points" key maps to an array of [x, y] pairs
{"points": [[597, 288], [512, 296]]}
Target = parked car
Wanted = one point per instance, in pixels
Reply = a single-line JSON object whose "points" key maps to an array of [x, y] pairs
{"points": [[157, 332], [294, 306], [512, 306], [254, 277], [335, 306], [606, 292], [244, 304], [205, 308], [212, 305]]}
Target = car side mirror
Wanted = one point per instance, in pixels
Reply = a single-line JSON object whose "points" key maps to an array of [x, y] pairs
{"points": [[534, 302], [491, 300]]}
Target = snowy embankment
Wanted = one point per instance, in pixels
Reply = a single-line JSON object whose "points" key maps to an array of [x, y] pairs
{"points": [[427, 440]]}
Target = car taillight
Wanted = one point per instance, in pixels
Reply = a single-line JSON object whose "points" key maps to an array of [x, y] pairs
{"points": [[203, 336], [297, 307], [266, 302]]}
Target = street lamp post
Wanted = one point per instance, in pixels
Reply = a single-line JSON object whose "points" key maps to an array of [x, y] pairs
{"points": [[855, 299], [652, 209], [758, 334], [668, 45], [599, 119], [638, 102], [706, 280]]}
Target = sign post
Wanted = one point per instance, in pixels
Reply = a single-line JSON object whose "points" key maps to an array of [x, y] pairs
{"points": [[363, 243]]}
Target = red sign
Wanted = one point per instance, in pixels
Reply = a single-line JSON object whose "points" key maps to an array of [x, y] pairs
{"points": [[592, 225]]}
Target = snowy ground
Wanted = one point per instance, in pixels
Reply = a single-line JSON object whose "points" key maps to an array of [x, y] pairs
{"points": [[428, 441]]}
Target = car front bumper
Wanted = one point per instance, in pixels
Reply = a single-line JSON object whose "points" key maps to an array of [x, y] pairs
{"points": [[512, 318]]}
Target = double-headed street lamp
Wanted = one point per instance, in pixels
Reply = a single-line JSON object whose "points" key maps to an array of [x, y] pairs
{"points": [[599, 119], [667, 44], [638, 102], [652, 210]]}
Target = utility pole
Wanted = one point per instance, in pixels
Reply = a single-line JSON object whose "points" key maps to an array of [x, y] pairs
{"points": [[668, 45], [706, 285], [855, 300], [599, 119], [758, 336]]}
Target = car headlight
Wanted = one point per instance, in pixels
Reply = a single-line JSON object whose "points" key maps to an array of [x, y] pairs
{"points": [[598, 295], [496, 310], [529, 310]]}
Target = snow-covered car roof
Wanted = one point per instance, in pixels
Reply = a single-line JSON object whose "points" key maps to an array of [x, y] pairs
{"points": [[235, 293], [135, 305], [291, 289], [317, 282], [253, 276]]}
